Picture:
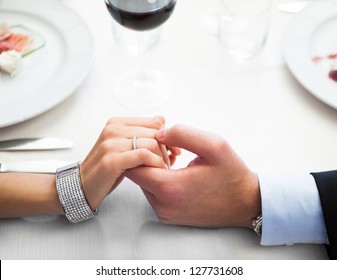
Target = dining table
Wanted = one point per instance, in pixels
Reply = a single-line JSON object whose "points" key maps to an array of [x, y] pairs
{"points": [[269, 118]]}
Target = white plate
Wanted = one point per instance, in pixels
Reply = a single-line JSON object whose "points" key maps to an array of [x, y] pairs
{"points": [[313, 33], [52, 73]]}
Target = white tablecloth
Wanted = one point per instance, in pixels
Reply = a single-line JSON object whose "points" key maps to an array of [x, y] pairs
{"points": [[267, 116]]}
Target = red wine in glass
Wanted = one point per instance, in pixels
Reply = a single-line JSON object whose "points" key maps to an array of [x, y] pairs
{"points": [[140, 15]]}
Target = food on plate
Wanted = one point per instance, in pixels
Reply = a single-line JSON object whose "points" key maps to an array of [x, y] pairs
{"points": [[10, 41], [332, 59], [10, 62], [333, 75], [333, 71], [16, 42]]}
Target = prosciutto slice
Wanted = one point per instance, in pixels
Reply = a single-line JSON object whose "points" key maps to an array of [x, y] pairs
{"points": [[17, 42]]}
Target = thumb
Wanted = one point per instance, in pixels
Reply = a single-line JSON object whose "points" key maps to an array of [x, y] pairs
{"points": [[199, 142]]}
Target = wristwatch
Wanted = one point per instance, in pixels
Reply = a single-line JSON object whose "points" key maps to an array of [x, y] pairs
{"points": [[257, 225], [70, 191]]}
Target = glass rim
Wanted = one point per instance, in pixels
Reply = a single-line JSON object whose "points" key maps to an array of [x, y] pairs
{"points": [[234, 9]]}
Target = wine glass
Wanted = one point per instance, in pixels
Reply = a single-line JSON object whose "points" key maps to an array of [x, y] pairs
{"points": [[142, 88]]}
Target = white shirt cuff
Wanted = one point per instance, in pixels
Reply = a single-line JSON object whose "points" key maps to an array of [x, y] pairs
{"points": [[291, 210]]}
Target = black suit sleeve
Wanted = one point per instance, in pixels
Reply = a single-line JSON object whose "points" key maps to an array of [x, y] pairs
{"points": [[327, 187]]}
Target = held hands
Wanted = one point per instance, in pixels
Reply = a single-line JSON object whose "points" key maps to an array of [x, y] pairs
{"points": [[104, 167], [216, 189]]}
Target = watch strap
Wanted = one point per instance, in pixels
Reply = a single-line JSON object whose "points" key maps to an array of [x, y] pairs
{"points": [[257, 225]]}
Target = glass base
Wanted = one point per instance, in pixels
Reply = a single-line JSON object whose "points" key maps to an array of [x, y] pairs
{"points": [[144, 89]]}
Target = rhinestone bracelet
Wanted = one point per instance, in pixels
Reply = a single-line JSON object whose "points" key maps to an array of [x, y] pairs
{"points": [[70, 191]]}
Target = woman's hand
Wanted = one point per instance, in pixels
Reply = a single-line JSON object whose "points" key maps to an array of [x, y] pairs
{"points": [[25, 194], [113, 154]]}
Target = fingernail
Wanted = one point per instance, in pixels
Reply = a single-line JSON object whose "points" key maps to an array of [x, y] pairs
{"points": [[166, 166], [161, 134]]}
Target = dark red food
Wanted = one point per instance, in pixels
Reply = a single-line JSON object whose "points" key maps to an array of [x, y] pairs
{"points": [[332, 56], [333, 75]]}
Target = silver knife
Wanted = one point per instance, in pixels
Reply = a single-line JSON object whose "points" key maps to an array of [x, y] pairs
{"points": [[35, 166], [293, 7], [35, 144]]}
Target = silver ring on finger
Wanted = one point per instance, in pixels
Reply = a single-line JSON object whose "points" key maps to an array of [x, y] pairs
{"points": [[134, 143]]}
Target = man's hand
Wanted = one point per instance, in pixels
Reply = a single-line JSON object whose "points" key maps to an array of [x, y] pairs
{"points": [[216, 189]]}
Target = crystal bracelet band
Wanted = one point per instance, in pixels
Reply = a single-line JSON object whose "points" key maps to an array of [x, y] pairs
{"points": [[70, 191]]}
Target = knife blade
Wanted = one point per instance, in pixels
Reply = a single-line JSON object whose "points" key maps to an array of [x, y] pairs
{"points": [[35, 144], [34, 166], [293, 7]]}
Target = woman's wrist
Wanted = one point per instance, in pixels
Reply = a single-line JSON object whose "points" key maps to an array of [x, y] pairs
{"points": [[48, 199], [28, 194]]}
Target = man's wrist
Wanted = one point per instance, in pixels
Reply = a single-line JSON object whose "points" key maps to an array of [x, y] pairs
{"points": [[252, 199]]}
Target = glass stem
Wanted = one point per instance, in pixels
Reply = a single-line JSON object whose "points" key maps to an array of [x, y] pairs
{"points": [[142, 77]]}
